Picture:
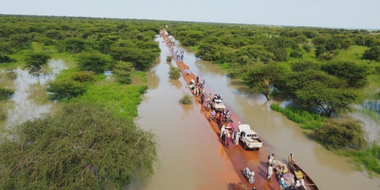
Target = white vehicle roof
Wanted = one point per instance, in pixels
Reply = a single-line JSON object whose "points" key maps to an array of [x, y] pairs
{"points": [[246, 128], [218, 101]]}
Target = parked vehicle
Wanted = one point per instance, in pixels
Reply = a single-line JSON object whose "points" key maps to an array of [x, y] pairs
{"points": [[249, 138], [218, 105], [249, 175]]}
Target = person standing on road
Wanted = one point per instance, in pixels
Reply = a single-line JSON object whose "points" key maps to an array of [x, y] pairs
{"points": [[237, 138], [270, 171], [228, 135]]}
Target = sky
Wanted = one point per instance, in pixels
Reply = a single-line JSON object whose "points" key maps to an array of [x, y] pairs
{"points": [[351, 14]]}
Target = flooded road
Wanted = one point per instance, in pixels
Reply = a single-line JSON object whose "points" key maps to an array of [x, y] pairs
{"points": [[30, 93], [191, 156]]}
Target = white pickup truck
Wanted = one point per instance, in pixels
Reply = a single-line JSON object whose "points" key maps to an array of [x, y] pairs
{"points": [[218, 105], [249, 138]]}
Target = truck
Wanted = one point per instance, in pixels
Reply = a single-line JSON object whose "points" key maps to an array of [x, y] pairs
{"points": [[218, 105], [249, 138]]}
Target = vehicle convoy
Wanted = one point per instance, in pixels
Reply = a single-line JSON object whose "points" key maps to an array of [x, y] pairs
{"points": [[218, 105], [249, 138]]}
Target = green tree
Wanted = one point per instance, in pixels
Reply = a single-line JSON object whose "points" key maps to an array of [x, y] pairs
{"points": [[65, 89], [93, 61], [353, 74], [106, 42], [372, 54], [332, 44], [296, 53], [304, 66], [74, 45], [261, 78], [80, 147], [123, 72], [174, 73], [35, 62], [342, 133], [21, 41], [329, 100]]}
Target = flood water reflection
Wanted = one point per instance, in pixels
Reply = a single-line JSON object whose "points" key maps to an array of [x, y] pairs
{"points": [[27, 88], [282, 136]]}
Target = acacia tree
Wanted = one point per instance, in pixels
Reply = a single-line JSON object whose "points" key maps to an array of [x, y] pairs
{"points": [[261, 78], [80, 147], [35, 63]]}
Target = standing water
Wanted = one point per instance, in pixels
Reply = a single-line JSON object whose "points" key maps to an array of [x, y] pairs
{"points": [[28, 88], [190, 154], [282, 136]]}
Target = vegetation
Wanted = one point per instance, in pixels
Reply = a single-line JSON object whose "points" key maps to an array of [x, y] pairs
{"points": [[96, 151], [322, 70], [186, 99], [95, 129], [169, 59], [123, 72], [306, 119], [174, 73], [5, 93], [342, 133]]}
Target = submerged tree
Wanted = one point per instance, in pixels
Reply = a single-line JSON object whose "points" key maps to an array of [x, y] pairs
{"points": [[35, 62], [262, 77], [81, 147]]}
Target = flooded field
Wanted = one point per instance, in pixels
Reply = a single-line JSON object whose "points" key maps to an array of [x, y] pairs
{"points": [[29, 98], [191, 156]]}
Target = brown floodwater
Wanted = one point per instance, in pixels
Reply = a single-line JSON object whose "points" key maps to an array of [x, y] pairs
{"points": [[192, 158]]}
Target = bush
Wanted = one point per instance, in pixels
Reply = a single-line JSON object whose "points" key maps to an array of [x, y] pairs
{"points": [[65, 89], [307, 47], [174, 73], [5, 93], [83, 76], [296, 54], [169, 59], [186, 99], [6, 59], [93, 61], [342, 133], [123, 72], [83, 146], [306, 119], [372, 54], [368, 157]]}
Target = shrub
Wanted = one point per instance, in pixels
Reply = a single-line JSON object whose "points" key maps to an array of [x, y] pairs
{"points": [[307, 47], [93, 61], [342, 133], [306, 119], [186, 99], [65, 89], [296, 54], [6, 59], [83, 76], [123, 72], [368, 157], [372, 54], [174, 73], [168, 58], [5, 93], [82, 146]]}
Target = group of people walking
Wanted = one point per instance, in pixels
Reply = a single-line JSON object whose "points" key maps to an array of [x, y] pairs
{"points": [[180, 55]]}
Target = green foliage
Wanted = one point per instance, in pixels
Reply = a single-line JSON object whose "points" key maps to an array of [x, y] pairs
{"points": [[74, 45], [306, 47], [81, 147], [354, 75], [121, 100], [21, 41], [5, 93], [65, 89], [93, 61], [123, 72], [83, 76], [342, 133], [261, 77], [296, 53], [6, 59], [186, 99], [306, 119], [174, 73], [36, 61], [304, 66], [169, 59], [372, 54], [368, 157]]}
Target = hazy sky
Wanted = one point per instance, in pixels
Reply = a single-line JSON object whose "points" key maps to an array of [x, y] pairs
{"points": [[322, 13]]}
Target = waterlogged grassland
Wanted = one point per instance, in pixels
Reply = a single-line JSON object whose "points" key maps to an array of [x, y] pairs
{"points": [[122, 100], [305, 119]]}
